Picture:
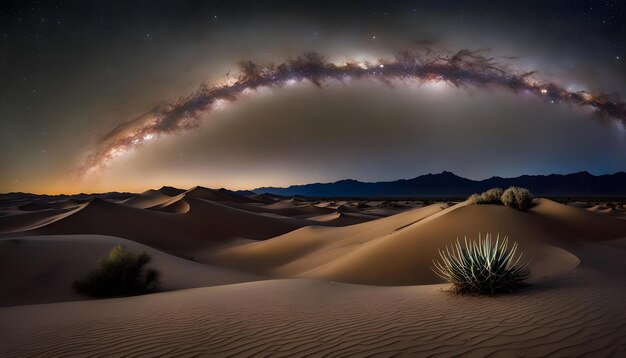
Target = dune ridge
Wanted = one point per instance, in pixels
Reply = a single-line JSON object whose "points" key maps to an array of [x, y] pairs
{"points": [[146, 199], [175, 205], [204, 224], [399, 250]]}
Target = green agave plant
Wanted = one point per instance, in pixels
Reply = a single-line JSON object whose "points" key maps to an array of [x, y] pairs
{"points": [[482, 267]]}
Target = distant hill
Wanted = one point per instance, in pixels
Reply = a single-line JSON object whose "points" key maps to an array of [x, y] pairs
{"points": [[444, 184], [19, 198], [447, 184]]}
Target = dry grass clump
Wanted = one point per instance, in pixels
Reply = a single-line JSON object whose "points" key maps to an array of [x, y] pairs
{"points": [[482, 267], [518, 198], [515, 197], [491, 196], [474, 199], [121, 273]]}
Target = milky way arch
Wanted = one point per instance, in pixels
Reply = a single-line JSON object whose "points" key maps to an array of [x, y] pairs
{"points": [[461, 69]]}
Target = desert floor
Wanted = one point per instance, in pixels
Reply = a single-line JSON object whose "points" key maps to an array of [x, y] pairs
{"points": [[261, 275]]}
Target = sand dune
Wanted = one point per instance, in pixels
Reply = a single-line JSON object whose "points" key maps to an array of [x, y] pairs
{"points": [[578, 315], [342, 219], [405, 256], [316, 214], [65, 204], [288, 208], [574, 223], [299, 251], [569, 309], [331, 204], [579, 204], [206, 223], [17, 220], [40, 269], [326, 204], [597, 208], [399, 250], [175, 205], [615, 211], [29, 220], [266, 198], [146, 199], [170, 191], [217, 195], [34, 206], [347, 208], [326, 218]]}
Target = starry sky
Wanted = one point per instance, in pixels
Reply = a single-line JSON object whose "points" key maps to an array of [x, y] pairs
{"points": [[82, 85]]}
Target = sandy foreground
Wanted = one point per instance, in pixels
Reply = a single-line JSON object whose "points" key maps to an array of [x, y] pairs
{"points": [[271, 277], [579, 315]]}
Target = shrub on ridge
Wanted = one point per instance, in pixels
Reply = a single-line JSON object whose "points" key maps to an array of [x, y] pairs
{"points": [[491, 196], [514, 197], [474, 199], [518, 198]]}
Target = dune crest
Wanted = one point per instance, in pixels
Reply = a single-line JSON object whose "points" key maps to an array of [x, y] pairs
{"points": [[401, 254], [174, 205], [146, 199], [204, 224]]}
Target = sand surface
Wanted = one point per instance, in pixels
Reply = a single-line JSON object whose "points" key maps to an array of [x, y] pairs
{"points": [[264, 275], [580, 314]]}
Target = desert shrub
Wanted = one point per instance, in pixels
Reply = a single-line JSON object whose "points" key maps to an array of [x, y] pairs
{"points": [[474, 199], [482, 267], [491, 196], [518, 198], [121, 273]]}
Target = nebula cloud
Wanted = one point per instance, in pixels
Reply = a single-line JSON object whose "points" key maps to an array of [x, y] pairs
{"points": [[463, 69]]}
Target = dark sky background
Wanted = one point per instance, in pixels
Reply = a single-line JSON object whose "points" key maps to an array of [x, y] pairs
{"points": [[71, 71]]}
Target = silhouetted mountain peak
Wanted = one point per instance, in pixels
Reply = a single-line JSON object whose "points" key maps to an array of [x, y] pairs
{"points": [[447, 183]]}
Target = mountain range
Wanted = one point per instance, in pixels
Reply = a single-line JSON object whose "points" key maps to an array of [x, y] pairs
{"points": [[447, 184]]}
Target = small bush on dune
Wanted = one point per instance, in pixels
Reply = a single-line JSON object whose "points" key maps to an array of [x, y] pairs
{"points": [[482, 267], [120, 274], [518, 198], [491, 196], [474, 199], [515, 197]]}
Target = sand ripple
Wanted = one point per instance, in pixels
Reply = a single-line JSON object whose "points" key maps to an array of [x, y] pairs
{"points": [[580, 315]]}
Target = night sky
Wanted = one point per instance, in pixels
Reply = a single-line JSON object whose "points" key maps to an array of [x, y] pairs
{"points": [[129, 95]]}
